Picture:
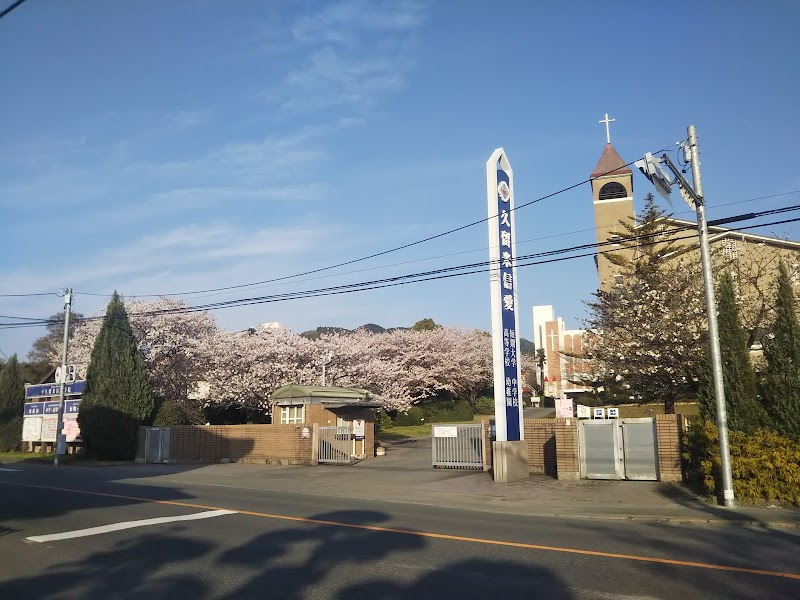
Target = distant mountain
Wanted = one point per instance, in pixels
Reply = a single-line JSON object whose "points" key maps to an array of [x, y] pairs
{"points": [[372, 327]]}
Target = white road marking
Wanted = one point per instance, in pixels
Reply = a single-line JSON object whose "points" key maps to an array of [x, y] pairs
{"points": [[127, 525], [10, 470]]}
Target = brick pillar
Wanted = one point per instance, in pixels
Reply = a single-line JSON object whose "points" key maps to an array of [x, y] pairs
{"points": [[567, 453], [669, 438]]}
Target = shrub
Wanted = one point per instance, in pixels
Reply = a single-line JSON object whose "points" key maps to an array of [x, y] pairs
{"points": [[382, 421], [169, 414], [11, 435], [484, 406], [764, 465], [413, 416], [444, 410]]}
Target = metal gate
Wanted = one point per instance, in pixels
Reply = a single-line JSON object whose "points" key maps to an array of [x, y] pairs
{"points": [[156, 444], [335, 445], [457, 446], [618, 449]]}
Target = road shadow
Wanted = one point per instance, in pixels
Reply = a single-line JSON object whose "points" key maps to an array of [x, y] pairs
{"points": [[339, 554], [742, 515], [695, 547]]}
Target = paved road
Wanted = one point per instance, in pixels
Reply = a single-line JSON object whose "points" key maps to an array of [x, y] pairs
{"points": [[300, 533], [538, 413]]}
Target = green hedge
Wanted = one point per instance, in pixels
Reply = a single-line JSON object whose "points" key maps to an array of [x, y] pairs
{"points": [[436, 411], [11, 435], [764, 465], [413, 416], [484, 406]]}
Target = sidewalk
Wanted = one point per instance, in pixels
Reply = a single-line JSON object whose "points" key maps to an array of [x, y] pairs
{"points": [[405, 475]]}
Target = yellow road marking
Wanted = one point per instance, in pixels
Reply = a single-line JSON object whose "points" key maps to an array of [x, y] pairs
{"points": [[427, 534]]}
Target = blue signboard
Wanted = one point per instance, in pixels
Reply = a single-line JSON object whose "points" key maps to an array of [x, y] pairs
{"points": [[508, 293], [33, 409], [49, 390], [71, 407], [37, 409]]}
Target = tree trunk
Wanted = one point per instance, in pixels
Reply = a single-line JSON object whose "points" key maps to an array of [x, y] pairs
{"points": [[669, 406]]}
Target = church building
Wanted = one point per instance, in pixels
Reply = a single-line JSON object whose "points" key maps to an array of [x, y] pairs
{"points": [[745, 254]]}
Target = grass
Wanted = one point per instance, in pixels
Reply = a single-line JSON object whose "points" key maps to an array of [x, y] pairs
{"points": [[407, 432], [631, 411]]}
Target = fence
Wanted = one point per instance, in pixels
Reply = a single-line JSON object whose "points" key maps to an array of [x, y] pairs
{"points": [[457, 446]]}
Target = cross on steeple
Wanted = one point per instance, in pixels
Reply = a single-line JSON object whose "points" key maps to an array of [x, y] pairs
{"points": [[608, 130]]}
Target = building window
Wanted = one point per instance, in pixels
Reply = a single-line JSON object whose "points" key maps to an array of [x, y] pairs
{"points": [[729, 250], [618, 279], [292, 414], [613, 190]]}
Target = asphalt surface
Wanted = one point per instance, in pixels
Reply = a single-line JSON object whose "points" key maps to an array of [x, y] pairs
{"points": [[388, 529]]}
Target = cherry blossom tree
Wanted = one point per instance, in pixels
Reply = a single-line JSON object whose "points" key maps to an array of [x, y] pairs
{"points": [[167, 338]]}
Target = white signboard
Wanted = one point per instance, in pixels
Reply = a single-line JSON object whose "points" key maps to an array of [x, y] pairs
{"points": [[584, 412], [445, 431], [613, 413], [358, 429], [599, 413], [31, 429], [563, 408], [49, 428]]}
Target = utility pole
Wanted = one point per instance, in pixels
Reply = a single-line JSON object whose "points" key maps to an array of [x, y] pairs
{"points": [[651, 167], [713, 330], [326, 358], [61, 442]]}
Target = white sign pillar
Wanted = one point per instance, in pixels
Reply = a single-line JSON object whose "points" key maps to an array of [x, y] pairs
{"points": [[505, 306]]}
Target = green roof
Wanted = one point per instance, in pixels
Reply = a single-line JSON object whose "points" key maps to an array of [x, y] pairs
{"points": [[319, 392]]}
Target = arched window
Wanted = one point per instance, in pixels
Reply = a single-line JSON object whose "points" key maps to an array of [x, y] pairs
{"points": [[613, 190]]}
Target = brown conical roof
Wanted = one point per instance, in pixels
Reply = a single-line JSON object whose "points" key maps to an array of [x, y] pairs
{"points": [[610, 163]]}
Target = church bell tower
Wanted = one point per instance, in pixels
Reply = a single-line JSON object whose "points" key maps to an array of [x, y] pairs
{"points": [[612, 190]]}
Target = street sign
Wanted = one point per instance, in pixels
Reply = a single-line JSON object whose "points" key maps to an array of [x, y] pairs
{"points": [[599, 413], [50, 390], [613, 413], [33, 409]]}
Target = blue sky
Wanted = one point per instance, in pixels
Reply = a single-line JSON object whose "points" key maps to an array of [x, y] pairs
{"points": [[159, 147]]}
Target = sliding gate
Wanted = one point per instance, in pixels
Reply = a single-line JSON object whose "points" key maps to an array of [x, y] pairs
{"points": [[457, 446], [618, 449], [335, 446]]}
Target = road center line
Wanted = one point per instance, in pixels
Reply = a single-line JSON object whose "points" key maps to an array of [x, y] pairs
{"points": [[426, 534], [10, 470], [54, 537]]}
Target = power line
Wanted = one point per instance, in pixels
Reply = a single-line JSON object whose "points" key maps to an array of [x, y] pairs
{"points": [[10, 7], [444, 273], [377, 254]]}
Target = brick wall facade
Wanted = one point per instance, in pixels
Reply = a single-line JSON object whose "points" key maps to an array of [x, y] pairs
{"points": [[545, 453], [282, 444], [669, 436], [541, 437], [264, 444]]}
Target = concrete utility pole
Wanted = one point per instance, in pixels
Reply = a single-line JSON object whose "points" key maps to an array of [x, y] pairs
{"points": [[326, 358], [61, 442], [713, 330], [652, 168]]}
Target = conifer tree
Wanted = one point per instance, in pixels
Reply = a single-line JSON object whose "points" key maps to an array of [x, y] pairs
{"points": [[12, 395], [644, 332], [117, 398], [780, 382], [743, 410]]}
